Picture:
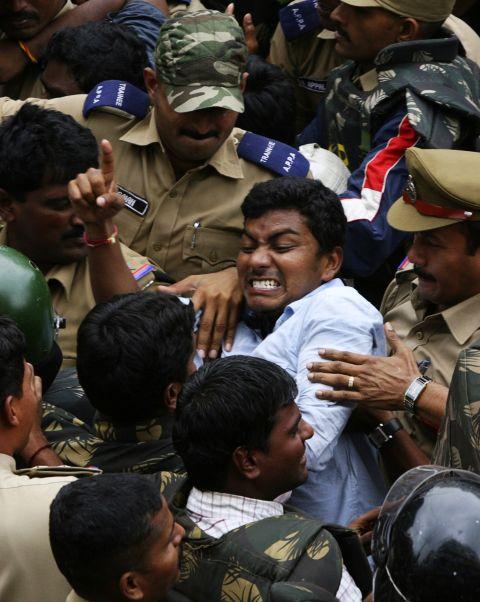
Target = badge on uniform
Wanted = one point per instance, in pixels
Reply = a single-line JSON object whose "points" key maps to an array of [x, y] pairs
{"points": [[299, 19], [133, 202], [276, 156], [312, 85], [117, 95]]}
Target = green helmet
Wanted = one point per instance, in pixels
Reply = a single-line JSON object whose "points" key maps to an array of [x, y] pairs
{"points": [[24, 297]]}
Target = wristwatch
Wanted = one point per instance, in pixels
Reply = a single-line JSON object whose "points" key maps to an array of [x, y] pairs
{"points": [[383, 433], [414, 391]]}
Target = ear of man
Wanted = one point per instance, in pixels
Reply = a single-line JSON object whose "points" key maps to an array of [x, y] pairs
{"points": [[170, 396], [130, 586], [246, 463], [7, 212]]}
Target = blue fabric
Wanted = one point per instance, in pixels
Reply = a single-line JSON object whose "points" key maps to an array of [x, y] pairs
{"points": [[118, 95], [144, 19], [276, 156], [344, 478], [299, 19]]}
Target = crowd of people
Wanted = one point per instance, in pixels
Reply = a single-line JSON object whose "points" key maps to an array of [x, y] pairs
{"points": [[239, 285]]}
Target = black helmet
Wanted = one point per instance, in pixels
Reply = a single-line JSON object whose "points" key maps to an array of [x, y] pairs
{"points": [[426, 543]]}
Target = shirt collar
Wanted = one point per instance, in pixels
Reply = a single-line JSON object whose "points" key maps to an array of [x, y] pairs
{"points": [[293, 307], [157, 429], [225, 161], [64, 275], [460, 326], [7, 462], [235, 508]]}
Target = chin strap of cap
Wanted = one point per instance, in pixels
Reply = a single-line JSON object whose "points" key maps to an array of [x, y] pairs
{"points": [[117, 95], [431, 210], [278, 157], [299, 19]]}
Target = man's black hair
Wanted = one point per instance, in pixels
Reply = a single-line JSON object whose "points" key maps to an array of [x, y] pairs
{"points": [[96, 52], [270, 103], [12, 354], [319, 206], [40, 147], [472, 232], [229, 403], [130, 349], [101, 527]]}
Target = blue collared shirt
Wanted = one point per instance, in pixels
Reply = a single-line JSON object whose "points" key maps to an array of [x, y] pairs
{"points": [[344, 477]]}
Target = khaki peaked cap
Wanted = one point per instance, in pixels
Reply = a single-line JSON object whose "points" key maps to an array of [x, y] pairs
{"points": [[443, 189], [430, 11]]}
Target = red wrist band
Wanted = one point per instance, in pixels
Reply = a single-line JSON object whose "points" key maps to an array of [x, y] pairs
{"points": [[100, 242], [37, 452], [26, 50]]}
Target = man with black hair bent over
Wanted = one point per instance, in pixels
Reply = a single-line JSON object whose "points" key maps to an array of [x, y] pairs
{"points": [[291, 252], [242, 439], [126, 515], [134, 354]]}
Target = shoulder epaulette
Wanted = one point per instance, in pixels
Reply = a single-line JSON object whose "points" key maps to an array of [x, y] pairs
{"points": [[299, 19], [118, 95], [275, 156], [58, 471]]}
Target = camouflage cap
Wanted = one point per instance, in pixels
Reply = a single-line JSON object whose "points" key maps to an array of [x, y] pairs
{"points": [[200, 58], [429, 11], [442, 190]]}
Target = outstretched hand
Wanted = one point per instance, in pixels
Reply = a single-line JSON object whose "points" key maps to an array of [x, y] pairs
{"points": [[378, 382], [248, 29]]}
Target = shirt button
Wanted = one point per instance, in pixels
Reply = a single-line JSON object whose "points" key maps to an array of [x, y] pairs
{"points": [[173, 194], [419, 335], [213, 256]]}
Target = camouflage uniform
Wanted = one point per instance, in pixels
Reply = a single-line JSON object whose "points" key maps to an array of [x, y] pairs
{"points": [[144, 448], [458, 444], [289, 557]]}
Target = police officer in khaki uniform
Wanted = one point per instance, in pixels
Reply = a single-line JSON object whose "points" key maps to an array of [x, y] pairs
{"points": [[179, 167], [309, 57], [43, 225], [433, 307]]}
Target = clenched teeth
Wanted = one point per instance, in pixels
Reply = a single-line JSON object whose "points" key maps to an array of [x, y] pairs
{"points": [[264, 284]]}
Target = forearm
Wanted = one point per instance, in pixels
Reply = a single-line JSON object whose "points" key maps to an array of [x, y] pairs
{"points": [[401, 454], [93, 10], [109, 273], [431, 404]]}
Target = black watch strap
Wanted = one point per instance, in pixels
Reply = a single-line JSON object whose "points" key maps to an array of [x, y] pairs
{"points": [[383, 433]]}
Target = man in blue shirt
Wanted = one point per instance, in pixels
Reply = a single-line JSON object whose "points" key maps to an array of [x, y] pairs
{"points": [[290, 255]]}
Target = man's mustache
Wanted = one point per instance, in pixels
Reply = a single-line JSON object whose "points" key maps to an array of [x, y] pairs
{"points": [[424, 275], [19, 16], [196, 135], [75, 232]]}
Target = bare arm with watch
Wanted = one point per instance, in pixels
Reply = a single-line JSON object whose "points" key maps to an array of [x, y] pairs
{"points": [[382, 383]]}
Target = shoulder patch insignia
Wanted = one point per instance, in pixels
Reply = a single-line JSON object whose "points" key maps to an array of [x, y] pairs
{"points": [[312, 85], [117, 95], [299, 19], [278, 157], [133, 202]]}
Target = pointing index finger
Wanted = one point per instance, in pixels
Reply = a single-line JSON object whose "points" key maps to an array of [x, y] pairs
{"points": [[343, 356], [107, 163]]}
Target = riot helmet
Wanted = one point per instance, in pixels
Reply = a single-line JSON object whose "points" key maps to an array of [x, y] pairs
{"points": [[426, 543], [25, 297]]}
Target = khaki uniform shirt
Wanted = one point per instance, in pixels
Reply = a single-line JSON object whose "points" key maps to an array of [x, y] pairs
{"points": [[27, 84], [307, 60], [189, 226], [437, 337], [72, 296], [28, 571], [74, 597]]}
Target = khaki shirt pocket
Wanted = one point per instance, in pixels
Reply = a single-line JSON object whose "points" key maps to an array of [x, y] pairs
{"points": [[211, 249]]}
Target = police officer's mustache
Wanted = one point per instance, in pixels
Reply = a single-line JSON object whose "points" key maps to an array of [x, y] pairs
{"points": [[423, 275], [197, 135]]}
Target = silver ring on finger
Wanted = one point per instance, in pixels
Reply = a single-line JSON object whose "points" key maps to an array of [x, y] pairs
{"points": [[351, 382]]}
